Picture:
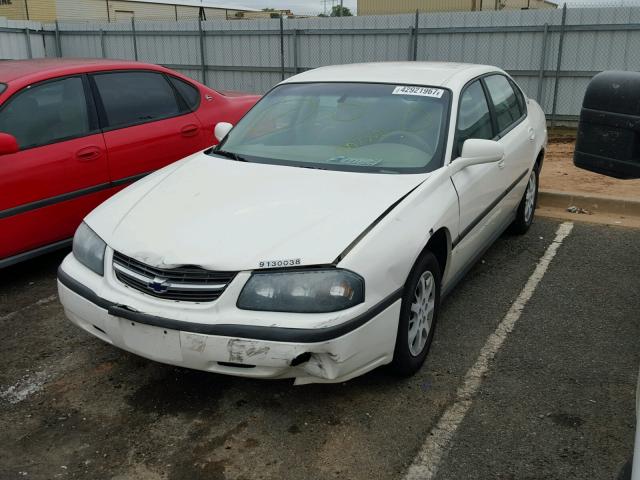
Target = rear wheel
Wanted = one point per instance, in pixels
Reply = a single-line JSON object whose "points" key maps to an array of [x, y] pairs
{"points": [[527, 207], [418, 314]]}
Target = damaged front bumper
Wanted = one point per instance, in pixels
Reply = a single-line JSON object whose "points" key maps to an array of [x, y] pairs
{"points": [[310, 355]]}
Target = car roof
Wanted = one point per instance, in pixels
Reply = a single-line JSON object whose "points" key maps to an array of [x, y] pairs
{"points": [[434, 74], [43, 68]]}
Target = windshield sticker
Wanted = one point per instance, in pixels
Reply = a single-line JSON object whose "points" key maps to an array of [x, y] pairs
{"points": [[355, 162], [419, 91]]}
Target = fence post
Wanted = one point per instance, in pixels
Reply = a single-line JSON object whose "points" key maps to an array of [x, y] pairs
{"points": [[135, 40], [414, 55], [203, 65], [281, 47], [103, 51], [295, 51], [558, 65], [58, 43], [543, 61], [27, 36]]}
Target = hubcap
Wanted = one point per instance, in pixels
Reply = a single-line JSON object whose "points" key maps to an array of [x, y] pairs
{"points": [[530, 198], [421, 316]]}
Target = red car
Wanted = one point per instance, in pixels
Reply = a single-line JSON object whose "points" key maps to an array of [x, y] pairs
{"points": [[73, 132]]}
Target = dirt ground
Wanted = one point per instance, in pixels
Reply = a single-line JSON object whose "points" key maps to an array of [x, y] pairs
{"points": [[560, 174]]}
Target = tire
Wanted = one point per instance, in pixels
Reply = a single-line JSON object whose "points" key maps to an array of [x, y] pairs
{"points": [[527, 207], [410, 353]]}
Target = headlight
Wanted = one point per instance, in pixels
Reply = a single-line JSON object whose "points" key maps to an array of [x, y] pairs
{"points": [[89, 248], [304, 291]]}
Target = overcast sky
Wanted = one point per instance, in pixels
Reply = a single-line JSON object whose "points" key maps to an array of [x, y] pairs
{"points": [[317, 6]]}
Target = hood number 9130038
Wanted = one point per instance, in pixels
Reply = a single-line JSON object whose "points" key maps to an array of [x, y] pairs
{"points": [[279, 263]]}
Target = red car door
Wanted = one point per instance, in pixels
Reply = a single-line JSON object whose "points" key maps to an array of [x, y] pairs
{"points": [[59, 174], [147, 123]]}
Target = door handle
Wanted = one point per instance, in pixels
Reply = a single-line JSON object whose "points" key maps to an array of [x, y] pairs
{"points": [[189, 131], [501, 164], [88, 153], [532, 134]]}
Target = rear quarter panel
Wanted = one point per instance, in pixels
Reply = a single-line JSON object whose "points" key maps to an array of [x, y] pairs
{"points": [[539, 124], [215, 108]]}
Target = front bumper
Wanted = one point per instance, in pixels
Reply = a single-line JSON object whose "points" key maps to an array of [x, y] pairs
{"points": [[330, 354]]}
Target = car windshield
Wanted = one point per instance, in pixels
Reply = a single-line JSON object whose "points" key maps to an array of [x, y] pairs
{"points": [[360, 127]]}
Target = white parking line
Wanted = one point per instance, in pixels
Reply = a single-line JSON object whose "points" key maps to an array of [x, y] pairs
{"points": [[425, 465]]}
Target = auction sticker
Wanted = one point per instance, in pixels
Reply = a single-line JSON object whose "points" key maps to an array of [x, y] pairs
{"points": [[419, 91]]}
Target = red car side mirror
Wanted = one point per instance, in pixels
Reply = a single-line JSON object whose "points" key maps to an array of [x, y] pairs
{"points": [[8, 144]]}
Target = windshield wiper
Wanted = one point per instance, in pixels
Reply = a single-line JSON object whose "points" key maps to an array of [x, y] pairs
{"points": [[231, 155]]}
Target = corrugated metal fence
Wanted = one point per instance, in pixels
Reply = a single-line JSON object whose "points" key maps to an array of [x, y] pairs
{"points": [[552, 53]]}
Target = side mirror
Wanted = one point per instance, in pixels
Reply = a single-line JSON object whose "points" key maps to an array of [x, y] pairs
{"points": [[221, 130], [608, 139], [476, 152], [8, 144]]}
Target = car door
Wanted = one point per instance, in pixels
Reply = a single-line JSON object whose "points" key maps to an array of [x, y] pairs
{"points": [[60, 172], [515, 133], [478, 186], [146, 123]]}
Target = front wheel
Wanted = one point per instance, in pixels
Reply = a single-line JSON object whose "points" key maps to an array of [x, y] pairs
{"points": [[418, 314], [527, 207]]}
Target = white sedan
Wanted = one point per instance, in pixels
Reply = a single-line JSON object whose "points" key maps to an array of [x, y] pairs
{"points": [[318, 238]]}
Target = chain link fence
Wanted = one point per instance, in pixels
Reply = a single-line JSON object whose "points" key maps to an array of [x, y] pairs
{"points": [[552, 53]]}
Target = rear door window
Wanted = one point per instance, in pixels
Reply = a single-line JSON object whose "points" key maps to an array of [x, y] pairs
{"points": [[520, 96], [506, 105], [131, 98], [46, 113], [189, 93]]}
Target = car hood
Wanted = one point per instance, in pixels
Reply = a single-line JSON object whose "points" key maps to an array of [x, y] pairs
{"points": [[228, 215]]}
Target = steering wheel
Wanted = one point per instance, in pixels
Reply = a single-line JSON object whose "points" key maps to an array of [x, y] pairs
{"points": [[407, 138]]}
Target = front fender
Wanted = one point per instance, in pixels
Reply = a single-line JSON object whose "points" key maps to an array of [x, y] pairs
{"points": [[385, 256]]}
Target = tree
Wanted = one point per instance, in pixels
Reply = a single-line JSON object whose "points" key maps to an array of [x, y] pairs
{"points": [[274, 12], [338, 11]]}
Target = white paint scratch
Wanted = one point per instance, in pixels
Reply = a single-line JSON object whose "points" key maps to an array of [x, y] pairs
{"points": [[426, 463], [25, 387], [32, 383], [42, 301]]}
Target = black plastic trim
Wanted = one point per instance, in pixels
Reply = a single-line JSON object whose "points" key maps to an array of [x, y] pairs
{"points": [[487, 210], [46, 202], [21, 257], [253, 332]]}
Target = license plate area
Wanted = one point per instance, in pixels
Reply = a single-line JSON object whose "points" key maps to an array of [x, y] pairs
{"points": [[151, 341]]}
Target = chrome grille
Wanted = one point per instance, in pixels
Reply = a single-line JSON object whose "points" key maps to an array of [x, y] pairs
{"points": [[188, 283]]}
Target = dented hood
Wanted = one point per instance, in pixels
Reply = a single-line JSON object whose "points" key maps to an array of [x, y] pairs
{"points": [[227, 215]]}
